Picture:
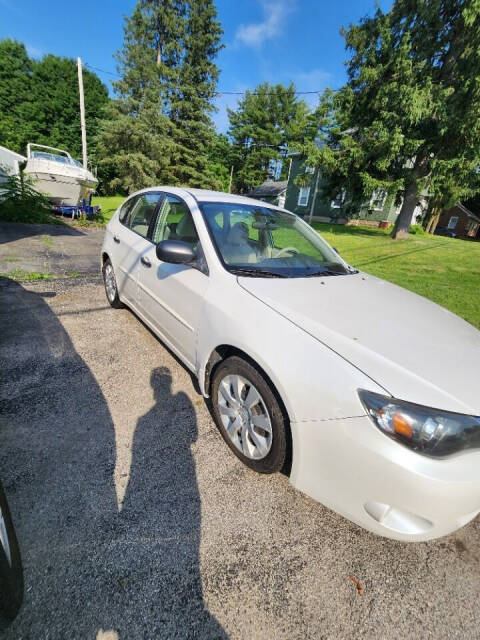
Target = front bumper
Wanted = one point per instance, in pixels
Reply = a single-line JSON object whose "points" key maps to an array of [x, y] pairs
{"points": [[354, 469]]}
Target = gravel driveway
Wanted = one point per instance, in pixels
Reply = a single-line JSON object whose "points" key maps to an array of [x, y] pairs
{"points": [[136, 521]]}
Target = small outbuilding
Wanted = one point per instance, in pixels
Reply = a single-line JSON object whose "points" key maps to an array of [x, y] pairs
{"points": [[272, 192], [459, 221]]}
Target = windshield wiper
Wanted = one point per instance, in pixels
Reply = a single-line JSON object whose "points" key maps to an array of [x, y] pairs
{"points": [[325, 272], [259, 273]]}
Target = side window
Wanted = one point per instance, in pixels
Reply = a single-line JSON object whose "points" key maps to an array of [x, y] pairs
{"points": [[142, 212], [175, 222], [125, 209]]}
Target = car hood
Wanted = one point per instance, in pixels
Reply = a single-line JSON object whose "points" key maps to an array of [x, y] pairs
{"points": [[413, 348]]}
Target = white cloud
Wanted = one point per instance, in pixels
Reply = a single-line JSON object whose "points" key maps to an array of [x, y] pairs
{"points": [[312, 80], [34, 52], [274, 14]]}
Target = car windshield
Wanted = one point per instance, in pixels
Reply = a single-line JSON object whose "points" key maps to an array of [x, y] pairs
{"points": [[258, 241]]}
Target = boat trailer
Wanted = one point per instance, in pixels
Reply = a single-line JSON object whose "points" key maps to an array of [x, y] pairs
{"points": [[77, 211]]}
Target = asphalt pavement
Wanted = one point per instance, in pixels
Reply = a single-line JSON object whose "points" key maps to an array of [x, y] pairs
{"points": [[136, 521]]}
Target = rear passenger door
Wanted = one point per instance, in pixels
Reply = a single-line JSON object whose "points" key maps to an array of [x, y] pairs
{"points": [[132, 241]]}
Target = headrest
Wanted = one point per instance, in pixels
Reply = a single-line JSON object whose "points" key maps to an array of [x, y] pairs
{"points": [[185, 227], [238, 233]]}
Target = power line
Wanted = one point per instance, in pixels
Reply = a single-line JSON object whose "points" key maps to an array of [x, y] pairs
{"points": [[217, 94]]}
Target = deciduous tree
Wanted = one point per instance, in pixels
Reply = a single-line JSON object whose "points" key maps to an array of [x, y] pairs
{"points": [[39, 101]]}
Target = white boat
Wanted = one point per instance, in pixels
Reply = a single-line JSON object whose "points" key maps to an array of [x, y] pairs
{"points": [[63, 179], [10, 163]]}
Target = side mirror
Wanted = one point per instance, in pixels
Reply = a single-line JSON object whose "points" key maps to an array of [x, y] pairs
{"points": [[175, 252]]}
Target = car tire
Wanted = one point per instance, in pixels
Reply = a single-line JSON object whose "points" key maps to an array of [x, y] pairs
{"points": [[11, 573], [110, 282], [243, 427]]}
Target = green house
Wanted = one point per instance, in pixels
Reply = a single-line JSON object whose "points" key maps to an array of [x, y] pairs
{"points": [[309, 202]]}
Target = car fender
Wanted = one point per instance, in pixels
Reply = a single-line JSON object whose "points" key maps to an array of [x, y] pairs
{"points": [[314, 382]]}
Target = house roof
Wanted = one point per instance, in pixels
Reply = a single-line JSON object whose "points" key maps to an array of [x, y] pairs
{"points": [[467, 211], [269, 188]]}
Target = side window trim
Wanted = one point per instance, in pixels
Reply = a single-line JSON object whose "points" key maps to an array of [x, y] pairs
{"points": [[126, 222], [130, 203], [156, 213], [165, 195], [202, 264]]}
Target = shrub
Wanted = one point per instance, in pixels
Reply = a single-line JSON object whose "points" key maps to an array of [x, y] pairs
{"points": [[417, 229], [21, 202]]}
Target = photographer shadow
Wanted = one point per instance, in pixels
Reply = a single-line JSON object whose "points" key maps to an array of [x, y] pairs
{"points": [[91, 570]]}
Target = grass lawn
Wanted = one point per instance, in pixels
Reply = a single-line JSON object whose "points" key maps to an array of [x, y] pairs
{"points": [[445, 270], [109, 205]]}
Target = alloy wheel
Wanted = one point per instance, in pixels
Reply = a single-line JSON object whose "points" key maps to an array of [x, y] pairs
{"points": [[245, 416], [110, 284]]}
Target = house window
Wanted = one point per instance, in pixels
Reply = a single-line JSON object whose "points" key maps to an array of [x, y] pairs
{"points": [[309, 169], [338, 200], [473, 227], [452, 223], [303, 196], [377, 201]]}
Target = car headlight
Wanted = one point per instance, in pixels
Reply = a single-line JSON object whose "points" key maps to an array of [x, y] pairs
{"points": [[429, 431]]}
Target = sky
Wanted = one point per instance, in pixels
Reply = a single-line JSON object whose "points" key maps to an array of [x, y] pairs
{"points": [[265, 40]]}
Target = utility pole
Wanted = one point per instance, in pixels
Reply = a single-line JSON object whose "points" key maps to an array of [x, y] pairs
{"points": [[231, 178], [82, 113]]}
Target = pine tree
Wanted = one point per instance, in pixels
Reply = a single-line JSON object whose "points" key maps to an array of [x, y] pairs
{"points": [[136, 138], [409, 116], [263, 127], [219, 161], [167, 86], [192, 103]]}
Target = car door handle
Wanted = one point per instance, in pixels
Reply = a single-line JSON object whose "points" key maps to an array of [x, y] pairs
{"points": [[116, 239], [146, 262]]}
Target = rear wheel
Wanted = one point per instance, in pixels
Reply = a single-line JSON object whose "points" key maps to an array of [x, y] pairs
{"points": [[110, 282], [249, 415], [11, 576]]}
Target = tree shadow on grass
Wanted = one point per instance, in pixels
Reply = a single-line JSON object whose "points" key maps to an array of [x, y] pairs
{"points": [[391, 256], [92, 571]]}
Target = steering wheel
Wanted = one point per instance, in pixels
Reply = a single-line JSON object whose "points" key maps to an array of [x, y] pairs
{"points": [[286, 250]]}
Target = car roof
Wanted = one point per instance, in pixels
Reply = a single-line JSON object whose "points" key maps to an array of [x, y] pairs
{"points": [[205, 195]]}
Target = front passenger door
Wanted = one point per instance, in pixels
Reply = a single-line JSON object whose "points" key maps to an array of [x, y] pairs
{"points": [[172, 295], [132, 241]]}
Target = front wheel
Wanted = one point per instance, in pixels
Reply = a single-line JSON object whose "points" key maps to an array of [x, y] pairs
{"points": [[110, 282], [11, 575], [249, 415]]}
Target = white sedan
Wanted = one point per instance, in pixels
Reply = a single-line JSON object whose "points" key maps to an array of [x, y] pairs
{"points": [[366, 393]]}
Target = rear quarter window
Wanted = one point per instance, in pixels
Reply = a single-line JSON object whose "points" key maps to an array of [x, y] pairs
{"points": [[125, 209]]}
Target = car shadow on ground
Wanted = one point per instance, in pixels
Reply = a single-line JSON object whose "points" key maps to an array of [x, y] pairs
{"points": [[93, 570]]}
